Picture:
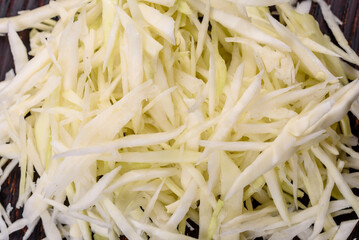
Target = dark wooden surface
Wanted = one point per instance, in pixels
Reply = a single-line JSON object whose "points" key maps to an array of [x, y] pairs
{"points": [[345, 10]]}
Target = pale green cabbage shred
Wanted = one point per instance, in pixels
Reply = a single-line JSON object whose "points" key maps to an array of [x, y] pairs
{"points": [[145, 118]]}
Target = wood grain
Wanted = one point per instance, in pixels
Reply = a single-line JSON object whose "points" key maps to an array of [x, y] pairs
{"points": [[346, 10]]}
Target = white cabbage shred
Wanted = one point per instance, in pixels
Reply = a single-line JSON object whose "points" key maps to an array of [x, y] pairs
{"points": [[138, 116]]}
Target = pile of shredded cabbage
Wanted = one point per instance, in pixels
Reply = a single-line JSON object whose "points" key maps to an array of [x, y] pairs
{"points": [[138, 115]]}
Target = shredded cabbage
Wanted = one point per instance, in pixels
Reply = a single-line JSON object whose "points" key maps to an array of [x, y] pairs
{"points": [[139, 116]]}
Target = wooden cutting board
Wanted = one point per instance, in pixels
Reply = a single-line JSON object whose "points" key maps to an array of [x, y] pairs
{"points": [[346, 10]]}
